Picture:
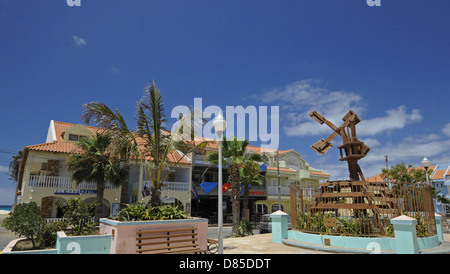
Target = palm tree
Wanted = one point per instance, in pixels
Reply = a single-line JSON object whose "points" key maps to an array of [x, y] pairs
{"points": [[250, 174], [96, 164], [234, 155], [14, 172], [151, 143], [405, 174]]}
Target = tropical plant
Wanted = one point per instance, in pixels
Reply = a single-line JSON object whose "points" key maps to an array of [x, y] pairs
{"points": [[169, 212], [48, 236], [250, 174], [96, 164], [151, 143], [14, 172], [26, 221], [134, 212], [139, 212], [440, 198], [78, 216], [405, 174], [244, 228], [233, 152]]}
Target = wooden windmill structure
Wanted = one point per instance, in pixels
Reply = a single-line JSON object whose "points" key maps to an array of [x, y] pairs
{"points": [[351, 150], [355, 199]]}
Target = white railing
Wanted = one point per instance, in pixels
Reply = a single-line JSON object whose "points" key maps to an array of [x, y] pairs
{"points": [[61, 182], [50, 181], [273, 190], [170, 186], [55, 220]]}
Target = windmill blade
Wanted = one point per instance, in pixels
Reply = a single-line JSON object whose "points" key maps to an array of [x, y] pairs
{"points": [[316, 116], [322, 146], [319, 118]]}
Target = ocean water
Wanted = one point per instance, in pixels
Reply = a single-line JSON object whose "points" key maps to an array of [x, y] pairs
{"points": [[5, 209]]}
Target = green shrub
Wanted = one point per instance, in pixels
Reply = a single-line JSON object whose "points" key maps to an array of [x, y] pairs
{"points": [[139, 212], [26, 221], [168, 212], [48, 235], [79, 217], [244, 228]]}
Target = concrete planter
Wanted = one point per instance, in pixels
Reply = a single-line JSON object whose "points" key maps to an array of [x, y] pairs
{"points": [[8, 249], [91, 244], [123, 239]]}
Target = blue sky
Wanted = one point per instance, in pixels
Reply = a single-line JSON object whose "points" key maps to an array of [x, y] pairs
{"points": [[390, 64]]}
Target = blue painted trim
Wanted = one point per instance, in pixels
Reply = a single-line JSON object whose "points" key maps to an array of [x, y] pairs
{"points": [[41, 251], [404, 222], [89, 237], [333, 248]]}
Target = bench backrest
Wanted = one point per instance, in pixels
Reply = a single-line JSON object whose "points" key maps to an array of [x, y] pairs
{"points": [[174, 240]]}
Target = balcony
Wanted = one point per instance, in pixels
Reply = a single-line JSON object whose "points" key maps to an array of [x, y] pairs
{"points": [[62, 182], [169, 186], [273, 190]]}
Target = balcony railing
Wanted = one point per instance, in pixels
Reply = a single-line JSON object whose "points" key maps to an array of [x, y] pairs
{"points": [[273, 190], [169, 186], [61, 182]]}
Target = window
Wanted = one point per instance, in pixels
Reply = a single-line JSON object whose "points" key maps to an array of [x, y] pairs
{"points": [[75, 138], [261, 209], [293, 163]]}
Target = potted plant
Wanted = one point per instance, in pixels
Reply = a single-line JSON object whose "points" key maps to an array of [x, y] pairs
{"points": [[141, 217]]}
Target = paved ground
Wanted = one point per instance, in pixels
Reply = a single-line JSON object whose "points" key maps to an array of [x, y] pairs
{"points": [[261, 244], [6, 236], [255, 244]]}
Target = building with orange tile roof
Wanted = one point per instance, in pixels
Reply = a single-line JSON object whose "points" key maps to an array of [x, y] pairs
{"points": [[440, 180], [379, 177], [293, 169], [46, 180]]}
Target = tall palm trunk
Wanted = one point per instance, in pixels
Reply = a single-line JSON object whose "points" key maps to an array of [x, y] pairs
{"points": [[235, 197], [155, 197], [245, 196]]}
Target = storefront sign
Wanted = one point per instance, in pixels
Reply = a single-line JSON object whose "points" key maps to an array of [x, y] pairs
{"points": [[256, 192], [75, 192]]}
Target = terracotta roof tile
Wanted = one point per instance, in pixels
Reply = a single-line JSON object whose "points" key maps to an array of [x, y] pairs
{"points": [[260, 150], [281, 169], [318, 173], [60, 146], [439, 174]]}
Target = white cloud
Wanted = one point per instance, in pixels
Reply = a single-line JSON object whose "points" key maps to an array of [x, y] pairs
{"points": [[446, 130], [409, 150], [371, 142], [394, 119], [296, 100], [79, 41]]}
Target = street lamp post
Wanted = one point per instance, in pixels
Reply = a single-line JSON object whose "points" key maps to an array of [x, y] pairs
{"points": [[426, 164], [219, 126]]}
